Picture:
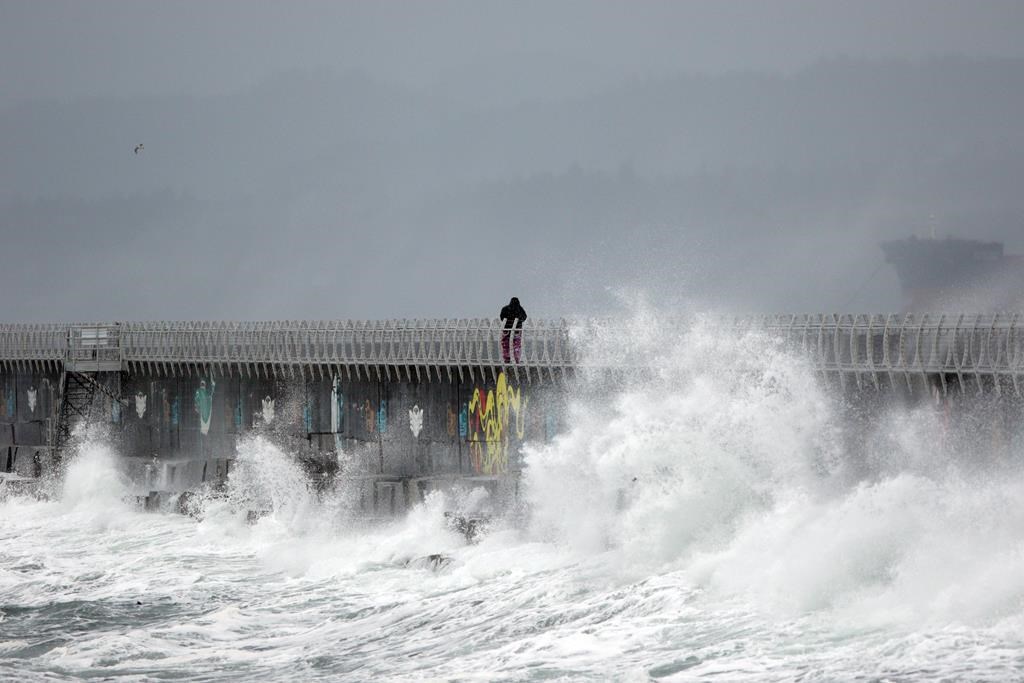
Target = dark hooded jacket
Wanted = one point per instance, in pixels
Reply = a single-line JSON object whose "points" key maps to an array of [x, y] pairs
{"points": [[513, 314]]}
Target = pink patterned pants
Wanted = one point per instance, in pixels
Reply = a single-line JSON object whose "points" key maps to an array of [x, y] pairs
{"points": [[517, 344]]}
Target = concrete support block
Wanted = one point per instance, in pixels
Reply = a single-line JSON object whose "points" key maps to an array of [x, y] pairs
{"points": [[389, 498], [29, 434], [27, 462]]}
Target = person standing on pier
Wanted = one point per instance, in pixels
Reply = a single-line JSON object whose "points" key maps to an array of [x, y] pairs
{"points": [[513, 316]]}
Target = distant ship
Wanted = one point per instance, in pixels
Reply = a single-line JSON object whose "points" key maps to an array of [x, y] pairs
{"points": [[959, 275]]}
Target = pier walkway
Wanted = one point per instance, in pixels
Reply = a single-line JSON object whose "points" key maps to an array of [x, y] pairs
{"points": [[863, 349]]}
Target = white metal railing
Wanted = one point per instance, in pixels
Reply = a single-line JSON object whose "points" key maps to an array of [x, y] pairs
{"points": [[39, 342], [927, 343], [388, 342], [955, 344], [95, 344]]}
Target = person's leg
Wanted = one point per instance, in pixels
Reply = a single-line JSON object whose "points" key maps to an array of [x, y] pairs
{"points": [[517, 345], [504, 345]]}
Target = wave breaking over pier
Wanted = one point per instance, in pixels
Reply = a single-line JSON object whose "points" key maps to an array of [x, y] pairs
{"points": [[729, 515]]}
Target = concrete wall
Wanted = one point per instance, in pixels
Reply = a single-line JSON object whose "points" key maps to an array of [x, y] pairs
{"points": [[385, 429], [395, 428], [179, 432], [27, 400]]}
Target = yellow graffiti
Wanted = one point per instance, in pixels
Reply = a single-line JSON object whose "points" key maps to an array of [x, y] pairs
{"points": [[491, 425]]}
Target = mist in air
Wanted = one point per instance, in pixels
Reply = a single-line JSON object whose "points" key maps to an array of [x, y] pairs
{"points": [[683, 502], [327, 160]]}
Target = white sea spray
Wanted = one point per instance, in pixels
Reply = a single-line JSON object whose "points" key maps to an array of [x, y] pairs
{"points": [[716, 517]]}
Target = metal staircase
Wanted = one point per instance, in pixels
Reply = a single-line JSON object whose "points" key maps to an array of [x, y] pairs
{"points": [[76, 396], [93, 355]]}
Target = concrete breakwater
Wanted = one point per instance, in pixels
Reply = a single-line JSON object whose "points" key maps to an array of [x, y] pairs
{"points": [[406, 406], [403, 437], [402, 405]]}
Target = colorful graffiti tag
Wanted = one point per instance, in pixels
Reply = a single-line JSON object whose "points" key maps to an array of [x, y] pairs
{"points": [[452, 422], [382, 416], [416, 420], [268, 411], [203, 401], [337, 413], [494, 417], [369, 416]]}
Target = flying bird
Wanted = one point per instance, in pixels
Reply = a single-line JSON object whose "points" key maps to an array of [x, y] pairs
{"points": [[139, 148]]}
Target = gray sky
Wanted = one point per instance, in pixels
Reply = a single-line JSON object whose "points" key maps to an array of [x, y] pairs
{"points": [[430, 159], [71, 49]]}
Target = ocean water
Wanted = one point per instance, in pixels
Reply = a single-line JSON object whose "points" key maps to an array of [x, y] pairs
{"points": [[719, 518]]}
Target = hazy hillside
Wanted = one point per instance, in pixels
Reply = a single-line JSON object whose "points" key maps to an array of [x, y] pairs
{"points": [[751, 190]]}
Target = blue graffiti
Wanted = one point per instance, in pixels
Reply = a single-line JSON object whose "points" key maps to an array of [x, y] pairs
{"points": [[10, 402], [175, 411], [307, 417], [238, 412], [382, 416], [115, 411], [463, 421]]}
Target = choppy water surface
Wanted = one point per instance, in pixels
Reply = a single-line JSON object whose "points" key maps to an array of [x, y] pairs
{"points": [[715, 521]]}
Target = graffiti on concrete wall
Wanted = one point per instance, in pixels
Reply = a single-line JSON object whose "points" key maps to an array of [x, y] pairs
{"points": [[32, 397], [375, 419], [9, 400], [453, 422], [464, 420], [203, 401], [416, 420], [495, 416], [337, 412], [140, 404], [268, 410], [369, 416], [172, 409], [337, 407]]}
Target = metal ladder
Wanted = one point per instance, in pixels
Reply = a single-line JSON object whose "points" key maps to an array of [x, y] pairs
{"points": [[93, 350], [76, 395]]}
